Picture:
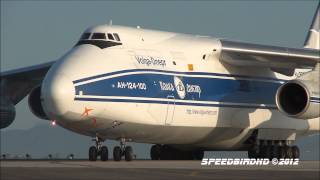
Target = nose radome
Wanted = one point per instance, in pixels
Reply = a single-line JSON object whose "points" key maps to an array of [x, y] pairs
{"points": [[57, 93]]}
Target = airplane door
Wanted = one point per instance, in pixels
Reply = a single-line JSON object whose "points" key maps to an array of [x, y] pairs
{"points": [[170, 110]]}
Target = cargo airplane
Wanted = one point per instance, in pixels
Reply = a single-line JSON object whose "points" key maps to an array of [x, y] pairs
{"points": [[185, 94]]}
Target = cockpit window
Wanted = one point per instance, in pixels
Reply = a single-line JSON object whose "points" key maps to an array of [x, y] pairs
{"points": [[110, 36], [98, 36], [99, 39], [116, 36], [85, 36]]}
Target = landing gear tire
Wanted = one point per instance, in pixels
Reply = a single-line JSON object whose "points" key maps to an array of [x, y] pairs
{"points": [[274, 152], [262, 151], [98, 150], [93, 153], [282, 153], [268, 152], [117, 153], [155, 152], [280, 149], [295, 152], [128, 153], [104, 153], [289, 153]]}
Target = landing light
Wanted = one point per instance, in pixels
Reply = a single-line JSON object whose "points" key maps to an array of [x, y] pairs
{"points": [[53, 123]]}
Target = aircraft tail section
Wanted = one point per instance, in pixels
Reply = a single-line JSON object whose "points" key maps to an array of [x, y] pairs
{"points": [[313, 38]]}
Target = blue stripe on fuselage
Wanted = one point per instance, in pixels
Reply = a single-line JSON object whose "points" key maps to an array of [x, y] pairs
{"points": [[244, 91]]}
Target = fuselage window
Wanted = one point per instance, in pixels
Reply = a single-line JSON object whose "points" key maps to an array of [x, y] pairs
{"points": [[116, 36], [110, 37], [85, 36], [98, 36]]}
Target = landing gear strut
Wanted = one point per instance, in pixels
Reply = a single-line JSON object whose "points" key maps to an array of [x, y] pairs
{"points": [[123, 150], [164, 152], [98, 150]]}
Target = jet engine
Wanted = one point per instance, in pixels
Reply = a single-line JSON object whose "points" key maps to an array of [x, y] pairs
{"points": [[299, 98], [35, 104], [7, 112]]}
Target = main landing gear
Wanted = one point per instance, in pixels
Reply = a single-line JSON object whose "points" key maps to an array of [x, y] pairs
{"points": [[98, 150], [274, 149], [165, 152], [123, 150]]}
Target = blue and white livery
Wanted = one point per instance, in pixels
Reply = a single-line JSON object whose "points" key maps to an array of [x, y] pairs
{"points": [[186, 94]]}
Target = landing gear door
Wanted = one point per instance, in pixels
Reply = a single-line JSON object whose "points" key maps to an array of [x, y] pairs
{"points": [[170, 110]]}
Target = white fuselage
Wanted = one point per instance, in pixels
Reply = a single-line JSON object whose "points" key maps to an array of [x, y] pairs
{"points": [[164, 88]]}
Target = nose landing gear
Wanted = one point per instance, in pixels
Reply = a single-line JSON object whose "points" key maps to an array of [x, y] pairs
{"points": [[98, 150], [123, 150]]}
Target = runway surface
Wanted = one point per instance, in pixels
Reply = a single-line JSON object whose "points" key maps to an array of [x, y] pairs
{"points": [[146, 169]]}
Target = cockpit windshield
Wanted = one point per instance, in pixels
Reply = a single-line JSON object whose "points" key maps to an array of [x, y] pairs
{"points": [[102, 40], [116, 36], [98, 36], [110, 36]]}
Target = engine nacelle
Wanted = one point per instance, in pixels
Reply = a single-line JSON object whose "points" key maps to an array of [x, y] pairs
{"points": [[7, 112], [299, 98], [35, 104]]}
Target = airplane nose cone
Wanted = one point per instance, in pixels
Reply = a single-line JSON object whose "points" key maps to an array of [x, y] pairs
{"points": [[58, 93]]}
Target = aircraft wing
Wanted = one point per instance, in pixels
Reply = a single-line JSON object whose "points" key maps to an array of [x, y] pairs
{"points": [[16, 84], [280, 59]]}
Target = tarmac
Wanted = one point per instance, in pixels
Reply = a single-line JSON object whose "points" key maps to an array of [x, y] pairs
{"points": [[147, 169]]}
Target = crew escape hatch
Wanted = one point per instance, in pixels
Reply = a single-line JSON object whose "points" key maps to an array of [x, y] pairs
{"points": [[163, 113]]}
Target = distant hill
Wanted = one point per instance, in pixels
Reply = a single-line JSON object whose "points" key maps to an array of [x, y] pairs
{"points": [[42, 140]]}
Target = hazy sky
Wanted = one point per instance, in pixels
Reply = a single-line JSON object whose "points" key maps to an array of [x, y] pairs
{"points": [[34, 32]]}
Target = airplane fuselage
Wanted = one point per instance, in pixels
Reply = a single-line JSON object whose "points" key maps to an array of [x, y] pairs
{"points": [[164, 88]]}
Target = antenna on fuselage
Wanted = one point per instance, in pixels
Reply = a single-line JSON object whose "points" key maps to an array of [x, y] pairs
{"points": [[110, 22]]}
